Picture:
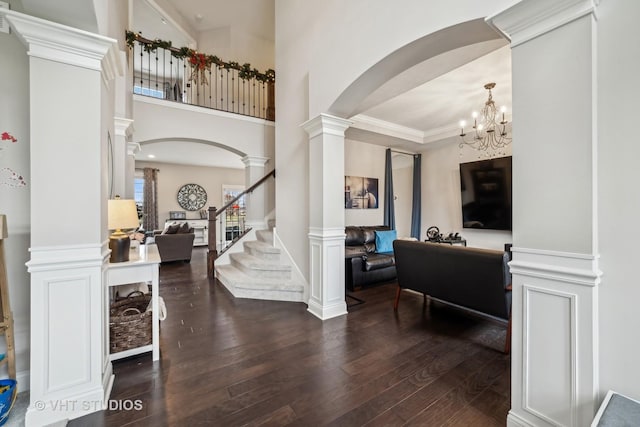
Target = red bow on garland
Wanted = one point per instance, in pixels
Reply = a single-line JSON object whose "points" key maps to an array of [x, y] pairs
{"points": [[200, 63]]}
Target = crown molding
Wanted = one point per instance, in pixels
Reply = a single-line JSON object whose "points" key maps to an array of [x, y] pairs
{"points": [[529, 19], [60, 43], [371, 124]]}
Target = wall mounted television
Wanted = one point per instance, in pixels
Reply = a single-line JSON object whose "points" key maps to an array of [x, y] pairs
{"points": [[485, 188]]}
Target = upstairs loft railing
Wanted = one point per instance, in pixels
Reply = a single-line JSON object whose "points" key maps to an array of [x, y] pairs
{"points": [[190, 77], [229, 220]]}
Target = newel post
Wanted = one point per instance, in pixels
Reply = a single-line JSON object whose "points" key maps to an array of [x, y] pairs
{"points": [[212, 252]]}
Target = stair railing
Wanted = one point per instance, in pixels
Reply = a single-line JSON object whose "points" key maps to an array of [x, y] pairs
{"points": [[231, 222]]}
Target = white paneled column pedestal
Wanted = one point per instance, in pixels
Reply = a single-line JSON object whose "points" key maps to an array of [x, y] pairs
{"points": [[554, 361], [71, 116], [326, 215]]}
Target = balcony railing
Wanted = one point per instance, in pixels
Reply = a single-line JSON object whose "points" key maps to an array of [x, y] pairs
{"points": [[186, 76]]}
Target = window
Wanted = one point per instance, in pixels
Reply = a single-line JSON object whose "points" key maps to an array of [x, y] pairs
{"points": [[148, 92], [138, 194]]}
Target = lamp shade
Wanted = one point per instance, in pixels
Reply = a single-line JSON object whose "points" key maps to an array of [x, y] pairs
{"points": [[122, 214]]}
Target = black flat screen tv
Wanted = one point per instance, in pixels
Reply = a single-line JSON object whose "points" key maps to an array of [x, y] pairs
{"points": [[485, 188]]}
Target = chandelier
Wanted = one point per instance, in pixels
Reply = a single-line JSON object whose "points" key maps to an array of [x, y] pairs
{"points": [[489, 132]]}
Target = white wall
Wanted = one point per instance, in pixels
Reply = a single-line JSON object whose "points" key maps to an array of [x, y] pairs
{"points": [[162, 120], [173, 176], [365, 160], [14, 202], [441, 204], [619, 198], [232, 44]]}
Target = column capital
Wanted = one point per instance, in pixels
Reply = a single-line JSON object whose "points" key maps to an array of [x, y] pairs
{"points": [[531, 18], [123, 127], [60, 43], [325, 123], [255, 161], [132, 148]]}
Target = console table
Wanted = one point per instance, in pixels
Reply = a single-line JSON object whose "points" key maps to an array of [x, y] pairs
{"points": [[143, 266]]}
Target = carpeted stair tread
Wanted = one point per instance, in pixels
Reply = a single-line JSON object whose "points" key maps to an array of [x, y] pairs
{"points": [[265, 236], [257, 246], [256, 263], [242, 285], [242, 280]]}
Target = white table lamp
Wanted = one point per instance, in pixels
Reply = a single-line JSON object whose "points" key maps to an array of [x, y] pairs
{"points": [[122, 215]]}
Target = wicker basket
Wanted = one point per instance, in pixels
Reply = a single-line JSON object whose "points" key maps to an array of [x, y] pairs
{"points": [[129, 323]]}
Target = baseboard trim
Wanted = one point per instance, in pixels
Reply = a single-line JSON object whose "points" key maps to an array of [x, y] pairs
{"points": [[514, 420]]}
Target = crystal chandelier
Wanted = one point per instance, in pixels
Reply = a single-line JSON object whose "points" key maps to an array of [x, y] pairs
{"points": [[489, 134]]}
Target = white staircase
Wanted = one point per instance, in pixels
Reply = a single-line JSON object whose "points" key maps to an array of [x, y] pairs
{"points": [[258, 272]]}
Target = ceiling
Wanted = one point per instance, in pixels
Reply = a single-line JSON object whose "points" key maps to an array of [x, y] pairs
{"points": [[424, 115]]}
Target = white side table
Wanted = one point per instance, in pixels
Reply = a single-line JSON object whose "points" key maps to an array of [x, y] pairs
{"points": [[143, 266]]}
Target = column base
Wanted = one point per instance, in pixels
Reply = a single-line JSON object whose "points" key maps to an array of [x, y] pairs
{"points": [[327, 311]]}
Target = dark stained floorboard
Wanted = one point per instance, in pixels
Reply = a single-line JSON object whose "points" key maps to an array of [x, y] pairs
{"points": [[235, 362]]}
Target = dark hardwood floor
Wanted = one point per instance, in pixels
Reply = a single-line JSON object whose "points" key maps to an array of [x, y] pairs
{"points": [[234, 362]]}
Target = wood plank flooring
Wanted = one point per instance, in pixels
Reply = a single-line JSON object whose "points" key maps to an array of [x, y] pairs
{"points": [[234, 362]]}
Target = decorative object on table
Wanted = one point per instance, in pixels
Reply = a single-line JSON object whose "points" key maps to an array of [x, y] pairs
{"points": [[360, 192], [8, 392], [489, 130], [192, 197], [130, 322], [123, 215], [177, 215], [204, 214], [433, 234]]}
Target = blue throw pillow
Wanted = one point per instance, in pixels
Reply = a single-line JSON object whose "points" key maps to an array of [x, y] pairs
{"points": [[384, 240]]}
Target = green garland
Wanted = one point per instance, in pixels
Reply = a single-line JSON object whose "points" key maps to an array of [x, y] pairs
{"points": [[245, 71]]}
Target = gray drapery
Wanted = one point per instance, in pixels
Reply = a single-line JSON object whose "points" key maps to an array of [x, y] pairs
{"points": [[416, 205], [150, 207], [389, 212]]}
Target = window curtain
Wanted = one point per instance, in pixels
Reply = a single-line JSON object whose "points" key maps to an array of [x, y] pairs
{"points": [[416, 205], [150, 206], [389, 212]]}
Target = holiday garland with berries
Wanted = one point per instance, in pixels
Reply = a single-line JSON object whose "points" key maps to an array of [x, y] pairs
{"points": [[200, 61]]}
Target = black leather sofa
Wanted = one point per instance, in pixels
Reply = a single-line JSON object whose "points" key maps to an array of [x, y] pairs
{"points": [[363, 266], [472, 278]]}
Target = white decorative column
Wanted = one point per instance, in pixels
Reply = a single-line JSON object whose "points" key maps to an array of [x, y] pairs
{"points": [[122, 151], [326, 215], [253, 172], [71, 111], [554, 362]]}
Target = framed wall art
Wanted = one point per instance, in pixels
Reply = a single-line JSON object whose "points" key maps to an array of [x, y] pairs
{"points": [[360, 192]]}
